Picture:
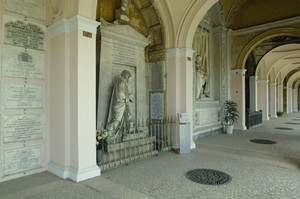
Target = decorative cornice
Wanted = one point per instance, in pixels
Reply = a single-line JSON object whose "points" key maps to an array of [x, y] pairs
{"points": [[238, 71], [262, 81], [267, 26], [123, 33], [75, 23], [180, 52]]}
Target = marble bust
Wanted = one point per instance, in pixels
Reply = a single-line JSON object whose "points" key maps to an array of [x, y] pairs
{"points": [[121, 14]]}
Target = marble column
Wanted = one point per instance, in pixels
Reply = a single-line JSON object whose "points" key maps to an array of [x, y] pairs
{"points": [[238, 95], [253, 93], [295, 100], [262, 98], [289, 100], [273, 100], [179, 65], [280, 97], [73, 98]]}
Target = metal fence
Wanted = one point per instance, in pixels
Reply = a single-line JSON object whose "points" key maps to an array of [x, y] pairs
{"points": [[134, 141]]}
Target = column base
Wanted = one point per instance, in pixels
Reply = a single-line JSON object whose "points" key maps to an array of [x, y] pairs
{"points": [[193, 145], [242, 128], [273, 116], [72, 173]]}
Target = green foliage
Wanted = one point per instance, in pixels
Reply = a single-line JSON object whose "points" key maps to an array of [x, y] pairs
{"points": [[231, 113], [279, 114]]}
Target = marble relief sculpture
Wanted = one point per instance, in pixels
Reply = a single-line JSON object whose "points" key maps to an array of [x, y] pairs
{"points": [[119, 111], [202, 77]]}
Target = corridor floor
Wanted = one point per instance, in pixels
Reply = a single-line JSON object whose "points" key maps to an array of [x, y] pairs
{"points": [[257, 170]]}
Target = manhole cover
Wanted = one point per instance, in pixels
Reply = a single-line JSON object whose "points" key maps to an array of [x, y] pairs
{"points": [[283, 128], [261, 141], [208, 176], [294, 123]]}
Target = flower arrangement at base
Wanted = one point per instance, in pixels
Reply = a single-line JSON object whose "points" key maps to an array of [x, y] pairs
{"points": [[101, 140]]}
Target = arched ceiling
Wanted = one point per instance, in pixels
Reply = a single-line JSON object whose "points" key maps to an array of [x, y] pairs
{"points": [[284, 60], [247, 13]]}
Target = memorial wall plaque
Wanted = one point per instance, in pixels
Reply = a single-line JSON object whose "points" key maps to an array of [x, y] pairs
{"points": [[22, 159], [124, 55], [18, 32], [30, 8], [157, 105], [18, 95], [22, 127], [16, 63]]}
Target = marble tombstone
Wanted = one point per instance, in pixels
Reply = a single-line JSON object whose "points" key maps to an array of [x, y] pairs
{"points": [[122, 82]]}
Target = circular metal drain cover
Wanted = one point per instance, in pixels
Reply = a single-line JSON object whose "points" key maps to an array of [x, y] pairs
{"points": [[283, 128], [261, 141], [208, 176], [294, 123]]}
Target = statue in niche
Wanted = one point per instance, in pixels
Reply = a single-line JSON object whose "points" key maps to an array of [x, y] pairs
{"points": [[119, 111], [202, 77], [121, 14]]}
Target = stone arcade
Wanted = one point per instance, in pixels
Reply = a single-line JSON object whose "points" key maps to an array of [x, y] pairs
{"points": [[60, 60]]}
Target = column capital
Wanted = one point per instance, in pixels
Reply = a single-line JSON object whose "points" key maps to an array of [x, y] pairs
{"points": [[273, 84], [254, 77], [241, 71], [280, 85], [263, 81], [180, 52], [74, 23], [295, 89]]}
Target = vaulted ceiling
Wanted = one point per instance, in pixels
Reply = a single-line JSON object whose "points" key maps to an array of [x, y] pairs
{"points": [[246, 13]]}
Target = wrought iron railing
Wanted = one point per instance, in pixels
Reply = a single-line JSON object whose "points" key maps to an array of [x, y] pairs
{"points": [[134, 141], [253, 118]]}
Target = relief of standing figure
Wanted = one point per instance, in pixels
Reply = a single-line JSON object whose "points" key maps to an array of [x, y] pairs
{"points": [[119, 112], [202, 77]]}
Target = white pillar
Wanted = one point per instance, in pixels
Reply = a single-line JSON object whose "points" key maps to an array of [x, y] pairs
{"points": [[180, 87], [273, 100], [280, 97], [295, 100], [73, 99], [253, 93], [262, 98], [289, 101], [238, 95]]}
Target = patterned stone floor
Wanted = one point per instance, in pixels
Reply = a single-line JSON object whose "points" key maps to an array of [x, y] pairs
{"points": [[257, 171]]}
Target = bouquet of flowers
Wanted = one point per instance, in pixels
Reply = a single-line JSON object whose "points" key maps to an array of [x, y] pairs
{"points": [[101, 140]]}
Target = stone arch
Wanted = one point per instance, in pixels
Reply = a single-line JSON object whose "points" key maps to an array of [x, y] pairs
{"points": [[288, 53], [261, 37], [284, 71], [297, 83], [292, 79]]}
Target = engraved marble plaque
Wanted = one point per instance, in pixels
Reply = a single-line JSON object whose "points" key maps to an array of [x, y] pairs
{"points": [[17, 63], [30, 8], [157, 105], [124, 55], [22, 159], [18, 95], [21, 127], [25, 34]]}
